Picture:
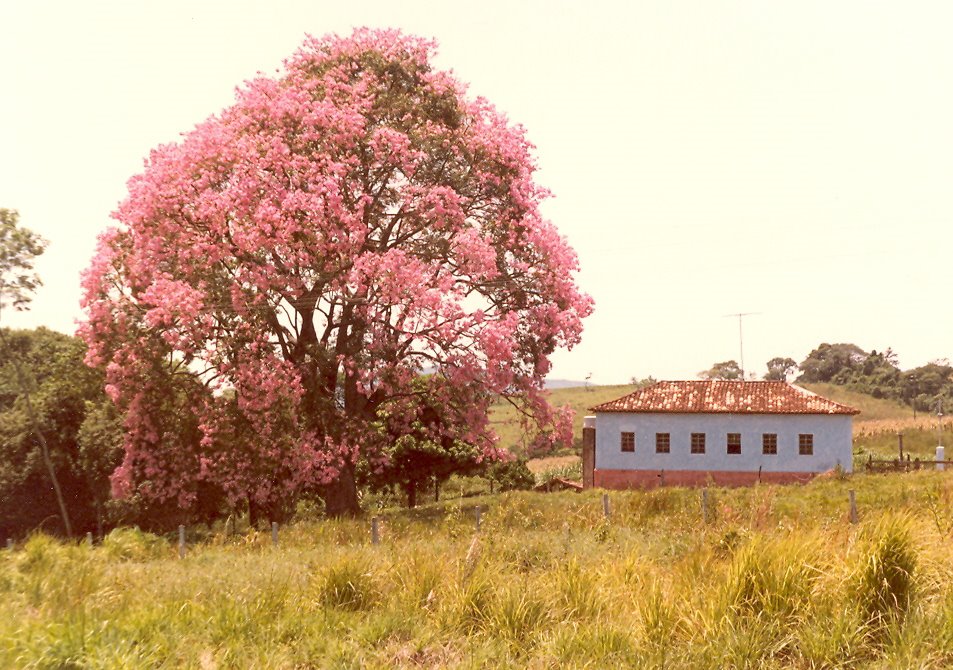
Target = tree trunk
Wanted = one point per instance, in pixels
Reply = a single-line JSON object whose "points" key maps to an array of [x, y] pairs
{"points": [[252, 514], [411, 490], [340, 497], [436, 490]]}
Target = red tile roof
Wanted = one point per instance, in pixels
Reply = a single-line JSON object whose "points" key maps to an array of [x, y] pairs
{"points": [[724, 397]]}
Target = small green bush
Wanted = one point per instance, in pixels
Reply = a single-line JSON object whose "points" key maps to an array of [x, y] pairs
{"points": [[511, 475]]}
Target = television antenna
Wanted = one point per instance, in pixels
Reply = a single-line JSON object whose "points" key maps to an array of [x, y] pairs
{"points": [[741, 345]]}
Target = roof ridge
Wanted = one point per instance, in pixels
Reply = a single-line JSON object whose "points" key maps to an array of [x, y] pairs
{"points": [[736, 396]]}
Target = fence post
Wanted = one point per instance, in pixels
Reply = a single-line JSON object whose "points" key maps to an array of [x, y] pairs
{"points": [[940, 457], [705, 505], [10, 543], [375, 531], [853, 506], [479, 512], [89, 539], [181, 541], [274, 533], [605, 504]]}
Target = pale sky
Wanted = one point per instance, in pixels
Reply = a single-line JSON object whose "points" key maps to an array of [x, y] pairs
{"points": [[791, 159]]}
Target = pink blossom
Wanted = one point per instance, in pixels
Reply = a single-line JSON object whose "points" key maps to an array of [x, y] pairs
{"points": [[281, 276]]}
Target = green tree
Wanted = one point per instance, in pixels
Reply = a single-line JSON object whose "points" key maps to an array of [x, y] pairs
{"points": [[923, 386], [779, 369], [415, 447], [99, 450], [832, 363], [725, 370], [18, 279], [64, 399], [18, 248]]}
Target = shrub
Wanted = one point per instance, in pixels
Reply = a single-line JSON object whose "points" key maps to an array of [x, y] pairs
{"points": [[771, 578], [511, 475], [515, 613], [884, 581], [348, 585]]}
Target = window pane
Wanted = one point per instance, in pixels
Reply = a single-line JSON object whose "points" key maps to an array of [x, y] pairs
{"points": [[769, 443], [698, 443], [628, 441], [734, 443], [663, 443], [805, 444]]}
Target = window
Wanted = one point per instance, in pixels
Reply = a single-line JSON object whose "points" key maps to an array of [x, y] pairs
{"points": [[663, 443], [734, 443], [628, 441], [698, 443], [805, 444], [769, 443]]}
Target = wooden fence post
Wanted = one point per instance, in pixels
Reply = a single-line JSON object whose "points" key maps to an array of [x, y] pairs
{"points": [[274, 533], [181, 541], [478, 512], [853, 506], [375, 531], [605, 504], [940, 457], [10, 543], [89, 539]]}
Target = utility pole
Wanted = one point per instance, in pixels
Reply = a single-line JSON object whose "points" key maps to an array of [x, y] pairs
{"points": [[939, 422], [741, 344]]}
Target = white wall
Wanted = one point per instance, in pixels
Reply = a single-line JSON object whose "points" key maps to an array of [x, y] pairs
{"points": [[832, 441]]}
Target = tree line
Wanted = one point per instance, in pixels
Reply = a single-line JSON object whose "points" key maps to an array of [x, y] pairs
{"points": [[876, 373]]}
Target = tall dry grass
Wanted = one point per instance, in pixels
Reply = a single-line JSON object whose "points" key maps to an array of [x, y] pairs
{"points": [[777, 578]]}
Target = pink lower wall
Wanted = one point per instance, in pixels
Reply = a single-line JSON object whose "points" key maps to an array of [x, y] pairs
{"points": [[631, 479]]}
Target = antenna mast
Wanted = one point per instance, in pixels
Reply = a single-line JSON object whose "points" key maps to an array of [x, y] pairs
{"points": [[741, 345]]}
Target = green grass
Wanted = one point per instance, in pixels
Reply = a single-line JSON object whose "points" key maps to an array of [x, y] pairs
{"points": [[505, 419], [778, 578], [918, 442], [871, 409]]}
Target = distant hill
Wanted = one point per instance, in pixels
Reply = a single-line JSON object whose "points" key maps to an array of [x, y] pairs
{"points": [[563, 384]]}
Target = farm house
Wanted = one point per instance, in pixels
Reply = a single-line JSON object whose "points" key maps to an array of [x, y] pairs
{"points": [[730, 433]]}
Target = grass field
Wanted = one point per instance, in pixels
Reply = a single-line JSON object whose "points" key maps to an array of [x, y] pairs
{"points": [[505, 420], [774, 577], [871, 409], [777, 578]]}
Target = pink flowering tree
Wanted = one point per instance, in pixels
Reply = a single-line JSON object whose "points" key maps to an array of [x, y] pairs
{"points": [[298, 262]]}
